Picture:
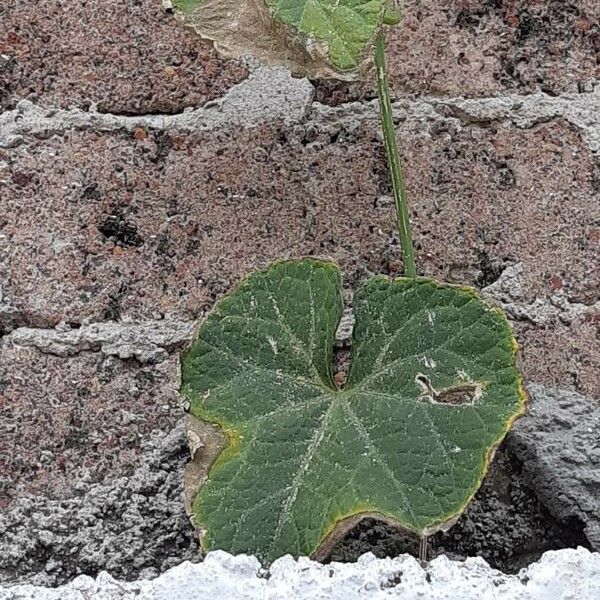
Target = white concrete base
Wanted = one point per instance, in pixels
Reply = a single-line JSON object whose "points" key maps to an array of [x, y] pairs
{"points": [[558, 575]]}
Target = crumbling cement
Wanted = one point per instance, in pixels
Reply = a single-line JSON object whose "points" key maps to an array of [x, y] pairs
{"points": [[267, 94], [507, 293], [132, 527], [559, 446], [582, 111], [147, 341], [271, 94]]}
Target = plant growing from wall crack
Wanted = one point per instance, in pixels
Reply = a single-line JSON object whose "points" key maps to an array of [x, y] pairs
{"points": [[433, 385]]}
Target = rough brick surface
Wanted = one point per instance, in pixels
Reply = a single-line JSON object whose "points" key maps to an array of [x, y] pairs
{"points": [[81, 418], [479, 47], [125, 56], [163, 224], [167, 223], [562, 353]]}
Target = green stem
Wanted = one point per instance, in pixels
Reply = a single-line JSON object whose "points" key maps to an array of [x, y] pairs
{"points": [[394, 163]]}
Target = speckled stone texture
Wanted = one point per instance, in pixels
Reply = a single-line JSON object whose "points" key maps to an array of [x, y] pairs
{"points": [[127, 57], [481, 47], [83, 418]]}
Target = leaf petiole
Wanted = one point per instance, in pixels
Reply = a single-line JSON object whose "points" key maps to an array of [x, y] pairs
{"points": [[394, 163]]}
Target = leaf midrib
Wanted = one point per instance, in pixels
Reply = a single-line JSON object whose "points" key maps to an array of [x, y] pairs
{"points": [[305, 463], [339, 399]]}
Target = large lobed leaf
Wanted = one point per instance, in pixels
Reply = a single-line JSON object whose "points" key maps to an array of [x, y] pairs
{"points": [[318, 38], [432, 390]]}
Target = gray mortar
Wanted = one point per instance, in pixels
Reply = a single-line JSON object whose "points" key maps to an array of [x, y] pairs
{"points": [[268, 93], [559, 446], [580, 110], [147, 341], [132, 527], [507, 293], [271, 94]]}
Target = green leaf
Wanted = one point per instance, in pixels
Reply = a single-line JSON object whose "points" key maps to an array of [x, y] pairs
{"points": [[318, 38], [185, 5], [432, 390], [346, 26]]}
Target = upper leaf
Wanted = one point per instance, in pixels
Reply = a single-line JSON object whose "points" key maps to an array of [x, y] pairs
{"points": [[432, 390], [318, 38]]}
